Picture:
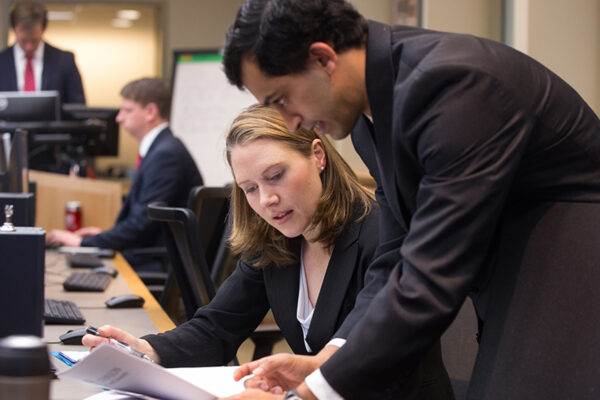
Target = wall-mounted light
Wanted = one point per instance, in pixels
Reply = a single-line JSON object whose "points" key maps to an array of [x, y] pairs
{"points": [[61, 15], [131, 15]]}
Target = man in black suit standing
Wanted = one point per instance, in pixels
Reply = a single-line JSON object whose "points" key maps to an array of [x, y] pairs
{"points": [[457, 131], [32, 64], [166, 172]]}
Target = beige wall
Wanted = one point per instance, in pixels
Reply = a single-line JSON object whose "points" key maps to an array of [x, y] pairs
{"points": [[565, 36], [377, 10], [477, 17], [200, 23]]}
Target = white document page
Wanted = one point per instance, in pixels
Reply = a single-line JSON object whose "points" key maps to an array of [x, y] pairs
{"points": [[216, 380], [114, 368], [115, 395]]}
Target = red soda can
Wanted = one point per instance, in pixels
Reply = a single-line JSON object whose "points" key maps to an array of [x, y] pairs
{"points": [[73, 216]]}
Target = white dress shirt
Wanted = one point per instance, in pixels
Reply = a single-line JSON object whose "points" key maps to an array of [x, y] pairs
{"points": [[148, 139], [37, 61], [305, 309]]}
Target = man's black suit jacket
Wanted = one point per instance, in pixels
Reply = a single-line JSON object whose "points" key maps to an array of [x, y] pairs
{"points": [[167, 173], [213, 336], [463, 128], [59, 73]]}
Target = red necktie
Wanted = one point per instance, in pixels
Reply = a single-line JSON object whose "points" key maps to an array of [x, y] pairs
{"points": [[29, 78], [138, 162]]}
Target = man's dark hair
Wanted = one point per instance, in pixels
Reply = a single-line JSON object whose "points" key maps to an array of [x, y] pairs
{"points": [[279, 33], [150, 90], [28, 14]]}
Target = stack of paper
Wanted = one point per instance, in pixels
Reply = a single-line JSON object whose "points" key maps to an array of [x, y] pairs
{"points": [[114, 368]]}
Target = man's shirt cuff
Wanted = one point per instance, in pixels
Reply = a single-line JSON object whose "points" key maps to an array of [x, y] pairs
{"points": [[338, 342], [316, 381], [320, 388]]}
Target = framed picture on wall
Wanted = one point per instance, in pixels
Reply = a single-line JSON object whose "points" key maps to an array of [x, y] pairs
{"points": [[406, 12]]}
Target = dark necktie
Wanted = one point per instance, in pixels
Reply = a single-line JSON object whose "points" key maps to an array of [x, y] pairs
{"points": [[29, 78], [138, 162]]}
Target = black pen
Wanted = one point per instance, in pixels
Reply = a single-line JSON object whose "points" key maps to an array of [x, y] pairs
{"points": [[93, 331]]}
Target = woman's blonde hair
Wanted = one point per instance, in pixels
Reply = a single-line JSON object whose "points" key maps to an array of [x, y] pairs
{"points": [[253, 237]]}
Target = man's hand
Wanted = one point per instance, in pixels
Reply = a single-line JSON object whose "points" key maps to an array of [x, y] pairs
{"points": [[88, 231], [281, 372], [278, 372], [63, 238]]}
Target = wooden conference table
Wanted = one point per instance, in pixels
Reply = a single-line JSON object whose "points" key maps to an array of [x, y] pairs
{"points": [[138, 321]]}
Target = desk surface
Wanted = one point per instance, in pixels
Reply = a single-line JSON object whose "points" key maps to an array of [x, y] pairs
{"points": [[139, 321]]}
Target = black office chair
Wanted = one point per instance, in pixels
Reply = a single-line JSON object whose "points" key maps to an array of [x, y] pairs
{"points": [[188, 263], [540, 337], [211, 207]]}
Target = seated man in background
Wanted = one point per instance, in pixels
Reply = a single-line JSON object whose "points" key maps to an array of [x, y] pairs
{"points": [[32, 64], [166, 172]]}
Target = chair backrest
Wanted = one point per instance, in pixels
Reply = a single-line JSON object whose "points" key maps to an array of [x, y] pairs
{"points": [[187, 258], [542, 323], [211, 207], [225, 261]]}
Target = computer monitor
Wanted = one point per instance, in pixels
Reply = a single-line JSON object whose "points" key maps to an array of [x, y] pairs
{"points": [[104, 143], [30, 106]]}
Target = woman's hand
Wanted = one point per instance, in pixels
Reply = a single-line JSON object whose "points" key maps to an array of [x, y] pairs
{"points": [[106, 332]]}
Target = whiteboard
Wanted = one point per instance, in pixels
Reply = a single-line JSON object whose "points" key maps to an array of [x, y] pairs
{"points": [[204, 105]]}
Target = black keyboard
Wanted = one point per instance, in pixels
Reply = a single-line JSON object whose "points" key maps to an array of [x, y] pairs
{"points": [[86, 282], [62, 312]]}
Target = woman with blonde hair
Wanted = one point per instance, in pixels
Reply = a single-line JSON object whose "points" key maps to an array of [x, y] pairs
{"points": [[306, 231]]}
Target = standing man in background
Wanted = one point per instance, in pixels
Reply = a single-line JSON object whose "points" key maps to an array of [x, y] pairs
{"points": [[459, 132], [166, 172], [32, 64]]}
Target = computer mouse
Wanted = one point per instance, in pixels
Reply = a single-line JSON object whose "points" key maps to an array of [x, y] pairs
{"points": [[105, 269], [125, 301], [72, 336]]}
